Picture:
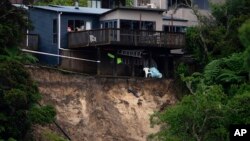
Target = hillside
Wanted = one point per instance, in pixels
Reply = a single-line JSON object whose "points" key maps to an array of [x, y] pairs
{"points": [[102, 109]]}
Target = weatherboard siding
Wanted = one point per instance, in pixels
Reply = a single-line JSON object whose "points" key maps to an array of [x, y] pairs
{"points": [[135, 15], [42, 21]]}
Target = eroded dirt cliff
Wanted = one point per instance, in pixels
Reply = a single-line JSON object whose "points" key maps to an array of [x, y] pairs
{"points": [[102, 109]]}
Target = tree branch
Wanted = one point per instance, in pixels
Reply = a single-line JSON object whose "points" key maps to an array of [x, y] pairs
{"points": [[200, 23], [203, 124], [195, 134], [9, 12]]}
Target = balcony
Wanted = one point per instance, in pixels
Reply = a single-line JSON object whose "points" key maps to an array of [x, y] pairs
{"points": [[125, 38]]}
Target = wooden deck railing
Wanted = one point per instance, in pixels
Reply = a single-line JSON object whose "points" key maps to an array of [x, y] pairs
{"points": [[30, 41], [128, 38]]}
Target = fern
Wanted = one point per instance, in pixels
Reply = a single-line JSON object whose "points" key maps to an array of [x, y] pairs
{"points": [[234, 62], [212, 70], [14, 54], [228, 76], [225, 70]]}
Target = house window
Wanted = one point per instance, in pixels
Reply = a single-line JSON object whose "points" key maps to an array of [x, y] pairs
{"points": [[137, 25], [178, 3], [143, 2], [55, 34], [202, 4], [110, 24], [76, 25], [94, 3], [178, 29]]}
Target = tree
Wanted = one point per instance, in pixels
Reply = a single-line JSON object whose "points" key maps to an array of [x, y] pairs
{"points": [[197, 117], [14, 54], [12, 24], [18, 94], [19, 97], [219, 94], [217, 36], [62, 2], [244, 32]]}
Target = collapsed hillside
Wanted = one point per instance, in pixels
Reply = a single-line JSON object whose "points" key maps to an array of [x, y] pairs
{"points": [[102, 109]]}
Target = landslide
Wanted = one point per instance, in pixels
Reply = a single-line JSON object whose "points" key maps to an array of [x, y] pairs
{"points": [[102, 109]]}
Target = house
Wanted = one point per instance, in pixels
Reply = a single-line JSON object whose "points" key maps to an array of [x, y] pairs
{"points": [[123, 39], [53, 27], [178, 15]]}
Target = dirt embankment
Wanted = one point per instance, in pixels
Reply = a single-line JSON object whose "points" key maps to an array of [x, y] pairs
{"points": [[103, 109]]}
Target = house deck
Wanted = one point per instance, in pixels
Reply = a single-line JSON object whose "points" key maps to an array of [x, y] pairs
{"points": [[129, 38]]}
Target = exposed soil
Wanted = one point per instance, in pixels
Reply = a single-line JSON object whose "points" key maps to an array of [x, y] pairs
{"points": [[103, 109]]}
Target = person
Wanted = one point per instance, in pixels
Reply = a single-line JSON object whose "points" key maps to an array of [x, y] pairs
{"points": [[69, 29]]}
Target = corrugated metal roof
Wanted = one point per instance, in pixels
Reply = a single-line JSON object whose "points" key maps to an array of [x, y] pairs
{"points": [[71, 9], [135, 9]]}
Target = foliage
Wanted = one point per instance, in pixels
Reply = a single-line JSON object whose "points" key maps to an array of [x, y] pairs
{"points": [[244, 32], [226, 70], [42, 115], [182, 69], [62, 2], [194, 44], [51, 136], [197, 117], [129, 3], [205, 114], [14, 54], [12, 23], [217, 37], [220, 94], [239, 109], [18, 96]]}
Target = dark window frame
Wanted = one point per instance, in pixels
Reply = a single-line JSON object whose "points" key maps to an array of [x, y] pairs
{"points": [[55, 31], [76, 24], [138, 25]]}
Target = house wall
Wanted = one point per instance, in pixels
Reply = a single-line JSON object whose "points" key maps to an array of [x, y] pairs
{"points": [[175, 23], [44, 28], [136, 15], [187, 14]]}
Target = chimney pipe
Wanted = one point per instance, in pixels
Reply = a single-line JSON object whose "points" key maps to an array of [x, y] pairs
{"points": [[76, 4]]}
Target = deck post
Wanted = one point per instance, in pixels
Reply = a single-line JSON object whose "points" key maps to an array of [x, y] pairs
{"points": [[115, 64], [132, 67], [170, 66], [150, 59], [99, 59], [166, 64]]}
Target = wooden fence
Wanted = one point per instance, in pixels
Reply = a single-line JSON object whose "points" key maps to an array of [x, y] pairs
{"points": [[30, 42]]}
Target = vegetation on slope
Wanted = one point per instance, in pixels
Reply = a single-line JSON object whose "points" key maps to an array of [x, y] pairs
{"points": [[19, 96], [220, 94], [62, 2]]}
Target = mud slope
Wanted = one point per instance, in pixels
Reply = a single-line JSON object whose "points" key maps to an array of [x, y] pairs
{"points": [[101, 109]]}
